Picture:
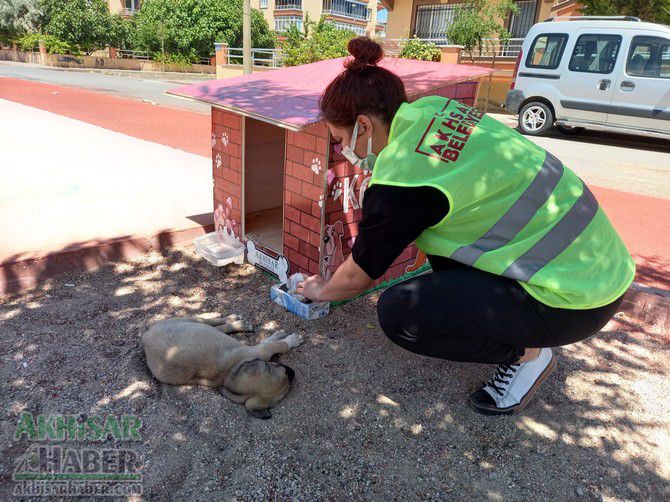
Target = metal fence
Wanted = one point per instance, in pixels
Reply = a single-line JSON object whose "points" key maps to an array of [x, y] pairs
{"points": [[146, 56], [489, 49], [128, 54], [495, 48], [345, 8], [288, 4], [265, 58]]}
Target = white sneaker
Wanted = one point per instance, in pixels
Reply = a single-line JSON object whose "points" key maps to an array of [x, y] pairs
{"points": [[513, 385]]}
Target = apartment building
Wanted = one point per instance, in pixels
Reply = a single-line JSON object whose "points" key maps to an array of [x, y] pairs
{"points": [[358, 16], [429, 19], [355, 15], [123, 7]]}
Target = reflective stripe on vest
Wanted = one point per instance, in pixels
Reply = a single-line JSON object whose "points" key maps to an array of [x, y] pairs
{"points": [[557, 240], [521, 213], [517, 216]]}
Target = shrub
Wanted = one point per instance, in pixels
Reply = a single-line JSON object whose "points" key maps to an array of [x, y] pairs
{"points": [[167, 58], [53, 45], [415, 48], [317, 42]]}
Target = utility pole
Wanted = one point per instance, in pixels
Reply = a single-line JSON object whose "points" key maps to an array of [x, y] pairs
{"points": [[246, 37]]}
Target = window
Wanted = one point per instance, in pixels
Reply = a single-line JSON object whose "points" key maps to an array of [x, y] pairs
{"points": [[432, 21], [282, 23], [649, 57], [263, 4], [357, 29], [546, 51], [520, 23], [130, 6], [595, 53]]}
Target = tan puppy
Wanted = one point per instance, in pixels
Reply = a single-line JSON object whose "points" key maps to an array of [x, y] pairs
{"points": [[190, 350]]}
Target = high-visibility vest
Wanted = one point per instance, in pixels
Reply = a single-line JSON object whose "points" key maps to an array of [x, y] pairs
{"points": [[515, 209]]}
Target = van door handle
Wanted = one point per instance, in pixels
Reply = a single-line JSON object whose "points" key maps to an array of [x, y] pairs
{"points": [[627, 85], [604, 84]]}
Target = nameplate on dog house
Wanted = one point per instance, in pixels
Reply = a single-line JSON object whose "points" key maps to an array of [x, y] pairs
{"points": [[277, 266]]}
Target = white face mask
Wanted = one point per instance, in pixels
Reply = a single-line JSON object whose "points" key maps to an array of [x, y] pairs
{"points": [[348, 152]]}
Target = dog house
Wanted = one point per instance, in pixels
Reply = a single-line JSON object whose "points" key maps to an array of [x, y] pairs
{"points": [[280, 185]]}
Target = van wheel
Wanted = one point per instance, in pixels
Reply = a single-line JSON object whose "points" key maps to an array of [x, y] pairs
{"points": [[535, 119], [569, 129]]}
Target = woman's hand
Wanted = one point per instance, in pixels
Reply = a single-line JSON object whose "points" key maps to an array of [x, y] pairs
{"points": [[312, 288]]}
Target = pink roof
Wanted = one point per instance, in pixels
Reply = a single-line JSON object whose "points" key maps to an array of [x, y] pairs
{"points": [[289, 96]]}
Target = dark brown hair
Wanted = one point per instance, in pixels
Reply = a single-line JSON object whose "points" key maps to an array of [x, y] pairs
{"points": [[363, 87]]}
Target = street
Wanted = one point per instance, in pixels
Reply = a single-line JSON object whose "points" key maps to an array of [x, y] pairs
{"points": [[145, 87], [623, 162]]}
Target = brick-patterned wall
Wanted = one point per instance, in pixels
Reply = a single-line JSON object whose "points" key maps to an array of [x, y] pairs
{"points": [[227, 170], [306, 166], [318, 232], [465, 92]]}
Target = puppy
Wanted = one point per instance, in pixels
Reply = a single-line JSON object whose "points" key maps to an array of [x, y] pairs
{"points": [[190, 350]]}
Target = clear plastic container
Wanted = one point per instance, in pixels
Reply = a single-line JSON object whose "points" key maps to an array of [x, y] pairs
{"points": [[218, 249]]}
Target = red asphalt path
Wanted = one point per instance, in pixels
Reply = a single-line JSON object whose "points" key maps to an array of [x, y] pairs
{"points": [[181, 129], [643, 222]]}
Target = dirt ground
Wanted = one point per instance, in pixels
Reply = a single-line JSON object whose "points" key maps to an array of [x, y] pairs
{"points": [[364, 420]]}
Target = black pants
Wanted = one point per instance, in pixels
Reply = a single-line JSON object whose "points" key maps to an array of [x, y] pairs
{"points": [[461, 313]]}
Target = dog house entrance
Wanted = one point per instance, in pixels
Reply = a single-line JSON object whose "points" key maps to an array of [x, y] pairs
{"points": [[264, 153]]}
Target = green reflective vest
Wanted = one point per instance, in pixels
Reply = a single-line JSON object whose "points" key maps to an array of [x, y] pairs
{"points": [[515, 209]]}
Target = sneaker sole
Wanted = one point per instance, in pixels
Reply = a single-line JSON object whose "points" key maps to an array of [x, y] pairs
{"points": [[511, 410]]}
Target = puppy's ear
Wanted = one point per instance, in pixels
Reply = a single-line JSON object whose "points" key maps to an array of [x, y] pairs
{"points": [[257, 408]]}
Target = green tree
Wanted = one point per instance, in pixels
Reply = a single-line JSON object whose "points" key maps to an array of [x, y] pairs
{"points": [[477, 22], [316, 42], [83, 23], [18, 17], [653, 11], [189, 28]]}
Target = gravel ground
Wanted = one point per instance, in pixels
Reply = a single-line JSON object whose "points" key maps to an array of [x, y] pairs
{"points": [[365, 419]]}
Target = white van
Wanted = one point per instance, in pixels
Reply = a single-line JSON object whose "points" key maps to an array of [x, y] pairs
{"points": [[605, 73]]}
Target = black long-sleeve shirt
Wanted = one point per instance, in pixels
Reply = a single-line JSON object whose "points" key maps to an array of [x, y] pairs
{"points": [[393, 217]]}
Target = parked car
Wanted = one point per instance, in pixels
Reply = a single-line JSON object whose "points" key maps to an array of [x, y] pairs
{"points": [[604, 73]]}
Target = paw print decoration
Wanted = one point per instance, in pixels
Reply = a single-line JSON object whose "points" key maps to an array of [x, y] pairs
{"points": [[316, 165], [218, 161], [225, 139], [213, 140], [336, 191]]}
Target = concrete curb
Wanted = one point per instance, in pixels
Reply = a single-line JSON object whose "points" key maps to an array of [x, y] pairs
{"points": [[22, 274]]}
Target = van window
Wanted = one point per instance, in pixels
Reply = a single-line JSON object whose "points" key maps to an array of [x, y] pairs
{"points": [[546, 51], [649, 57], [595, 53]]}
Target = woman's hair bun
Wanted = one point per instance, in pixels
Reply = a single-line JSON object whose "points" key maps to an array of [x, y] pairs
{"points": [[366, 52]]}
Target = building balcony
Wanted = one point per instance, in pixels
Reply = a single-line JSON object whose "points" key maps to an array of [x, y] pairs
{"points": [[347, 8], [288, 4]]}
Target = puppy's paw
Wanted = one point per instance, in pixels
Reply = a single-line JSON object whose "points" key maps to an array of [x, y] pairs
{"points": [[233, 318], [240, 325], [277, 335], [294, 340]]}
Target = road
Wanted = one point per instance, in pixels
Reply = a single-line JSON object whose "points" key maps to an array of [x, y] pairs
{"points": [[146, 87], [629, 163]]}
